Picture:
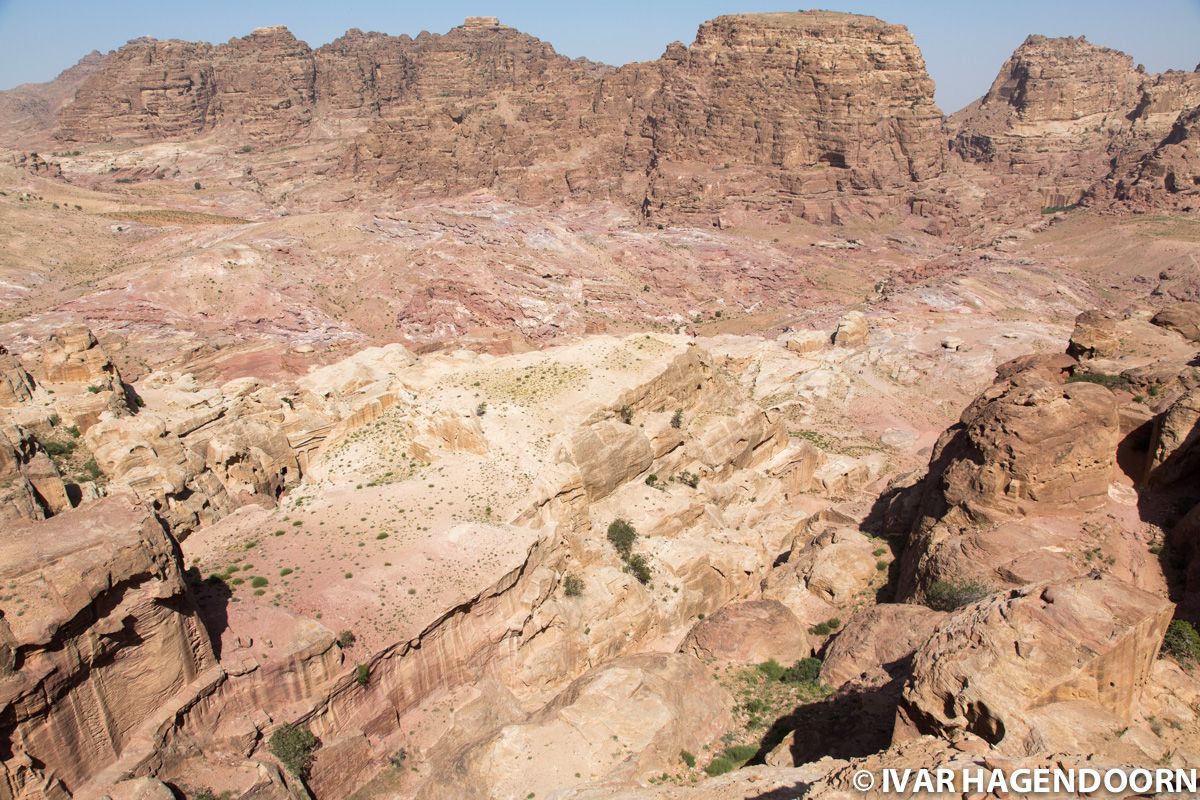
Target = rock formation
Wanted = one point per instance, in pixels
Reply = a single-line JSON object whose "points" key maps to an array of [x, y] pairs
{"points": [[1049, 666]]}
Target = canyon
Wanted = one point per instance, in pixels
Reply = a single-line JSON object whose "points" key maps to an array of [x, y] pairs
{"points": [[441, 417]]}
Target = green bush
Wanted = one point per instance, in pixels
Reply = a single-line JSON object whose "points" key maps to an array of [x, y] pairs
{"points": [[951, 595], [772, 669], [481, 409], [825, 628], [652, 479], [806, 670], [719, 766], [622, 536], [687, 758], [293, 746], [572, 586], [346, 639], [626, 414], [58, 449], [258, 581], [1182, 641], [638, 567], [362, 674], [689, 478]]}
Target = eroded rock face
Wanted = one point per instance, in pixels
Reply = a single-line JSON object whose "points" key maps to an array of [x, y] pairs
{"points": [[101, 633], [262, 85], [1050, 666], [749, 633]]}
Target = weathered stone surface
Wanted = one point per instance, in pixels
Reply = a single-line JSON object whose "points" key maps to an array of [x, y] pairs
{"points": [[840, 106], [749, 633], [628, 719], [1060, 108], [1048, 667]]}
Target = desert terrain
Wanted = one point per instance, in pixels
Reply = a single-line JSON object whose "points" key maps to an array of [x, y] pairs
{"points": [[442, 417]]}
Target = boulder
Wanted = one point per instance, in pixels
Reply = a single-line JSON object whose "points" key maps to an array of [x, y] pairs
{"points": [[1183, 318], [1096, 335], [749, 633], [852, 330]]}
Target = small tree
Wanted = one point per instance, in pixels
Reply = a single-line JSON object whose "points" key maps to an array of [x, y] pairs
{"points": [[196, 186], [626, 414], [677, 418], [950, 595], [346, 639], [293, 746], [622, 535], [1182, 641]]}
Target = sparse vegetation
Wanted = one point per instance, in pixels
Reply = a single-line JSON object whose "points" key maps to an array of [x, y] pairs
{"points": [[689, 479], [572, 585], [626, 415], [293, 745], [951, 595], [677, 418], [1107, 381], [346, 639], [687, 758], [481, 409]]}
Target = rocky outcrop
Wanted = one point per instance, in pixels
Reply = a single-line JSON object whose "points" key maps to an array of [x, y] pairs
{"points": [[1072, 120], [1049, 669], [99, 633], [1169, 174], [1175, 450], [749, 633], [1029, 446]]}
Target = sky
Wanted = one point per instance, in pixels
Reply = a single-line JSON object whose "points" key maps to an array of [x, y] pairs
{"points": [[964, 41]]}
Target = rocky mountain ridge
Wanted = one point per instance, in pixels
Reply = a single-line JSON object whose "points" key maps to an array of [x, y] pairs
{"points": [[818, 115]]}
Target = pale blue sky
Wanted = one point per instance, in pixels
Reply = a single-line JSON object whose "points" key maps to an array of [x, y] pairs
{"points": [[964, 42]]}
